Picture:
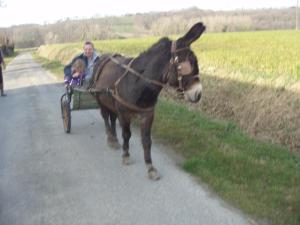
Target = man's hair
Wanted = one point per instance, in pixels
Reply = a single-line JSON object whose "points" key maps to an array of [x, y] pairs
{"points": [[88, 43]]}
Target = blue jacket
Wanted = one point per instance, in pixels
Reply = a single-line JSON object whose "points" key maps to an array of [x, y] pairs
{"points": [[68, 68]]}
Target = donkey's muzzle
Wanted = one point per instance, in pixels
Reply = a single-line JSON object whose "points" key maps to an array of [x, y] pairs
{"points": [[194, 93]]}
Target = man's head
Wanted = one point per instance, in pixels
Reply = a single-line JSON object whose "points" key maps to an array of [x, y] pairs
{"points": [[88, 49]]}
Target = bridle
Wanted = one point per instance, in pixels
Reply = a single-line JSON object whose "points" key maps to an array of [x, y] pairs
{"points": [[182, 69]]}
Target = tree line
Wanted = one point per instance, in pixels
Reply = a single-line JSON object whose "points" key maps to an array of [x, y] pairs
{"points": [[144, 24]]}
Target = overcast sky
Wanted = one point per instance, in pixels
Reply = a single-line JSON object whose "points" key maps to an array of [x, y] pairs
{"points": [[48, 11]]}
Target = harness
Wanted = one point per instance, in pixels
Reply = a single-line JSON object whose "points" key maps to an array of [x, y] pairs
{"points": [[182, 68]]}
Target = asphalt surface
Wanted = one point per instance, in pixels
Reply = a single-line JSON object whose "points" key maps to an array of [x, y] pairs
{"points": [[49, 177]]}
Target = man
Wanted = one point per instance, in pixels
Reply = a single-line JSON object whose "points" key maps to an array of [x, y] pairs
{"points": [[89, 56], [2, 64]]}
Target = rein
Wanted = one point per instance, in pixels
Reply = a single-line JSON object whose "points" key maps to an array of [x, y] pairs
{"points": [[116, 94]]}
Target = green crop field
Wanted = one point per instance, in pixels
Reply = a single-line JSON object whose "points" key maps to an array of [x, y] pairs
{"points": [[261, 54], [268, 54]]}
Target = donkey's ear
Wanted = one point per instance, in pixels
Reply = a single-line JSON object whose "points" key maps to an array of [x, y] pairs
{"points": [[193, 34]]}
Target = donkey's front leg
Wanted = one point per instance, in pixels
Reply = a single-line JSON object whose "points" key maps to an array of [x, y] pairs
{"points": [[146, 124], [124, 120]]}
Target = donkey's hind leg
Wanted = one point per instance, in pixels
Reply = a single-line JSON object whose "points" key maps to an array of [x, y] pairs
{"points": [[124, 120], [110, 129], [113, 118]]}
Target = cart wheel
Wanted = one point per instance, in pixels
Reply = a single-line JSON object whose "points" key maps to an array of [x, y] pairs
{"points": [[66, 113]]}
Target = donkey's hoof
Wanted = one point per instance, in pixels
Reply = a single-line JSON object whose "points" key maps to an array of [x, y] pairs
{"points": [[126, 160], [114, 145], [153, 174]]}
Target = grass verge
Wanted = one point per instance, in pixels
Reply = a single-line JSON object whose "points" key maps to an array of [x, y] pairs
{"points": [[54, 66], [7, 59], [260, 178]]}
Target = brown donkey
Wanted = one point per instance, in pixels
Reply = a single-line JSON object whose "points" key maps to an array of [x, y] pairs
{"points": [[125, 87]]}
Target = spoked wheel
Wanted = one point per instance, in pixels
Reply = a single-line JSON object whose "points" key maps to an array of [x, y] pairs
{"points": [[66, 113]]}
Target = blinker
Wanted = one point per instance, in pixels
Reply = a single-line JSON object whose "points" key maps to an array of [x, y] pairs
{"points": [[184, 68]]}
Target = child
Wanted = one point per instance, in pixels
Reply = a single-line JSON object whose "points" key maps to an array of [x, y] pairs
{"points": [[78, 74]]}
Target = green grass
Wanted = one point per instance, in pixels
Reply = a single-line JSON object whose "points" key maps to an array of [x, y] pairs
{"points": [[129, 47], [54, 66], [265, 54], [7, 59], [260, 178]]}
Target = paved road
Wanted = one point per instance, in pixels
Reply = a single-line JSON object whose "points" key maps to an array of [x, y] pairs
{"points": [[49, 177]]}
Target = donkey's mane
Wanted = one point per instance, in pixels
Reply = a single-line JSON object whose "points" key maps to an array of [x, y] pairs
{"points": [[154, 58], [156, 47]]}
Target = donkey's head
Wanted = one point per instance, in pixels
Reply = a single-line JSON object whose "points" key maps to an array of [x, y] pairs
{"points": [[184, 71]]}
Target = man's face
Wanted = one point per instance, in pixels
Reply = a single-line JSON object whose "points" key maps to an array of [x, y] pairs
{"points": [[88, 51]]}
